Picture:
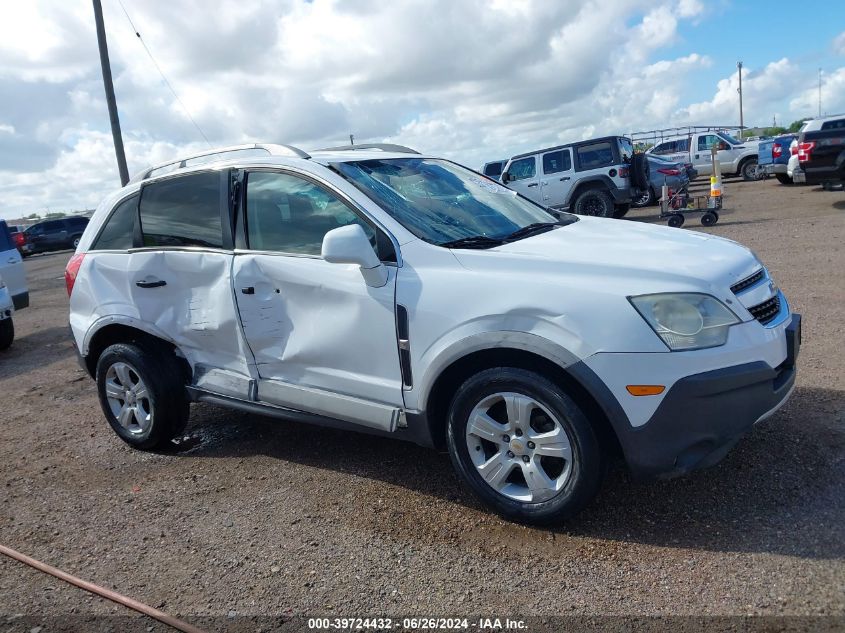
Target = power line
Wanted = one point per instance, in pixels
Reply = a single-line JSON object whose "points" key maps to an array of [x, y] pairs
{"points": [[160, 72]]}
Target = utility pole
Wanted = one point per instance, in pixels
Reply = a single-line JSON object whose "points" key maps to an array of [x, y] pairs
{"points": [[352, 139], [739, 70], [110, 100], [820, 92]]}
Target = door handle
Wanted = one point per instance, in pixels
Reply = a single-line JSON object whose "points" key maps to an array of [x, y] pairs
{"points": [[564, 178], [249, 290], [533, 184], [11, 260], [151, 284]]}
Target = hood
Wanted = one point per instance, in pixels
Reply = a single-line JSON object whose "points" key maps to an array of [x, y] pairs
{"points": [[631, 256]]}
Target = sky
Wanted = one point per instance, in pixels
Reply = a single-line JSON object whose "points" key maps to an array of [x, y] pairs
{"points": [[470, 80]]}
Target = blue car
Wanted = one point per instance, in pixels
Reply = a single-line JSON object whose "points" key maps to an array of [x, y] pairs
{"points": [[663, 171]]}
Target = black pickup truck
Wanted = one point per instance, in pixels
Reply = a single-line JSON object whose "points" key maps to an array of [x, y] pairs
{"points": [[821, 155]]}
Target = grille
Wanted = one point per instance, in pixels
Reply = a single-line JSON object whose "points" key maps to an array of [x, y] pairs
{"points": [[748, 282], [765, 312]]}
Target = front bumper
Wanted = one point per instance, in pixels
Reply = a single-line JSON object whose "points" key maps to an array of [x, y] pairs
{"points": [[704, 415]]}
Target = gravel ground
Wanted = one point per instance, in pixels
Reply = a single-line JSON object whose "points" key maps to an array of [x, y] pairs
{"points": [[255, 517]]}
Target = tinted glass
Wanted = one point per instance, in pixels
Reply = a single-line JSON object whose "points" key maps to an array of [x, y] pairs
{"points": [[554, 162], [288, 214], [494, 169], [523, 168], [834, 125], [595, 155], [682, 145], [5, 239], [183, 211], [119, 230], [53, 226], [439, 201], [664, 148]]}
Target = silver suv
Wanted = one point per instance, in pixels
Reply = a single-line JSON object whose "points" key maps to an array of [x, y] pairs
{"points": [[596, 177]]}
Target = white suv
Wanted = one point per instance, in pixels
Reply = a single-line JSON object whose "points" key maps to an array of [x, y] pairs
{"points": [[374, 288]]}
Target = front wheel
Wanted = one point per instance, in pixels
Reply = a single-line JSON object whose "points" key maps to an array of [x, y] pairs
{"points": [[142, 394], [523, 446], [7, 333]]}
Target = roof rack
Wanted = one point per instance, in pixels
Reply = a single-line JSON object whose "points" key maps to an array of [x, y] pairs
{"points": [[674, 132], [384, 147], [217, 154]]}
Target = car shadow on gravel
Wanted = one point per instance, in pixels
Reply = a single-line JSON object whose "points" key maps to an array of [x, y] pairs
{"points": [[36, 349], [779, 491]]}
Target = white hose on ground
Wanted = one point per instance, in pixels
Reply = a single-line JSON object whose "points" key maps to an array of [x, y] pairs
{"points": [[108, 594]]}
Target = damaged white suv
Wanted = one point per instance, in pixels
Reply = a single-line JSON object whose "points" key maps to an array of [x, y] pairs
{"points": [[377, 289]]}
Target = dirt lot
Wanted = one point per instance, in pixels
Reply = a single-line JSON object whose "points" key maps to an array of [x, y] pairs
{"points": [[262, 518]]}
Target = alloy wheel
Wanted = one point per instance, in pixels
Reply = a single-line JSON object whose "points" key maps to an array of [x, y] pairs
{"points": [[519, 447], [128, 398]]}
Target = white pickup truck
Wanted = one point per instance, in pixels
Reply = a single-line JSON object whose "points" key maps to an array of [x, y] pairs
{"points": [[736, 157]]}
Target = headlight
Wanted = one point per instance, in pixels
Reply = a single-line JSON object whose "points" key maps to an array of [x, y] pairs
{"points": [[686, 321]]}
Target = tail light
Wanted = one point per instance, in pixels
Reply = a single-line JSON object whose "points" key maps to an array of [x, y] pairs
{"points": [[805, 149], [72, 270], [669, 171], [20, 239], [793, 149], [624, 171], [777, 150]]}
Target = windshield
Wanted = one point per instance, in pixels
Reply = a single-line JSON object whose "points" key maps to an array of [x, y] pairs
{"points": [[730, 139], [441, 202]]}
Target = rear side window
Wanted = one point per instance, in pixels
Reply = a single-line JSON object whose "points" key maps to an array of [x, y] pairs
{"points": [[494, 170], [558, 161], [183, 211], [839, 124], [5, 238], [523, 168], [119, 231], [595, 155], [664, 148]]}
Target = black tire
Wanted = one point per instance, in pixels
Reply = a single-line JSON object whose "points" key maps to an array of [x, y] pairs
{"points": [[74, 241], [748, 169], [646, 199], [595, 202], [587, 464], [621, 210], [7, 333], [783, 179], [709, 219], [640, 171], [160, 371], [676, 220]]}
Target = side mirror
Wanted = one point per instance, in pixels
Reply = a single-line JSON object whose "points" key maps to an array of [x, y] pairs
{"points": [[349, 245], [505, 177]]}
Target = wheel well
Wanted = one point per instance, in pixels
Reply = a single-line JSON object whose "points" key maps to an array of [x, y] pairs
{"points": [[584, 187], [117, 333], [450, 379]]}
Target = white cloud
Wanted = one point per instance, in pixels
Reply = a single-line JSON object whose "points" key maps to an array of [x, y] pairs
{"points": [[839, 44], [471, 80]]}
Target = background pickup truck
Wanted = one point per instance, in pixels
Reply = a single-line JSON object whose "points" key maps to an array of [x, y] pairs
{"points": [[821, 155], [773, 157], [735, 156]]}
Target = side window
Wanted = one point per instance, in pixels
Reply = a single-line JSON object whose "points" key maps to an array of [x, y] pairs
{"points": [[183, 211], [682, 145], [54, 226], [523, 168], [595, 155], [289, 214], [494, 170], [663, 148], [706, 141], [838, 124], [558, 161], [119, 230], [5, 238]]}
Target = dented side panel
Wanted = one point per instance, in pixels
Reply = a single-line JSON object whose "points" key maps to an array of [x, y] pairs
{"points": [[315, 324], [195, 308]]}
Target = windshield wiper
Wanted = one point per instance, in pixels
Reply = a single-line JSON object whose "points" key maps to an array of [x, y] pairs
{"points": [[532, 229], [473, 241]]}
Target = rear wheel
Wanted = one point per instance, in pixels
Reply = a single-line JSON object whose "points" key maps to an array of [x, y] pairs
{"points": [[748, 170], [523, 446], [595, 202], [7, 333], [142, 394], [783, 179], [75, 240], [709, 219], [646, 198]]}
